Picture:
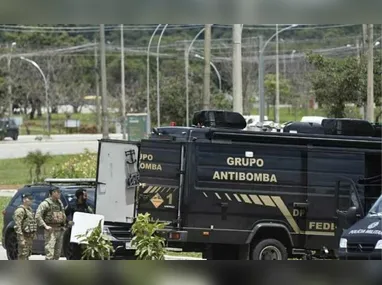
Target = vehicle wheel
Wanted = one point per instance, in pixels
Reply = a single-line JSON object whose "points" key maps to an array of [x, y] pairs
{"points": [[269, 249], [11, 246], [15, 137]]}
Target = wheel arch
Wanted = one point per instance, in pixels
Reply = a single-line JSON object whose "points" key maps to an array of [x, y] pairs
{"points": [[268, 230]]}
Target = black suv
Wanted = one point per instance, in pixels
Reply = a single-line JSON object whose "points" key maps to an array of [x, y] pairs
{"points": [[8, 128], [39, 192], [120, 234]]}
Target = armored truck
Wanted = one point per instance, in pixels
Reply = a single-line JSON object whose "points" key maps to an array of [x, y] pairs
{"points": [[237, 194]]}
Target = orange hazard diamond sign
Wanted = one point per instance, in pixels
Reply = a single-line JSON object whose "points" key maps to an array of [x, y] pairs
{"points": [[157, 200]]}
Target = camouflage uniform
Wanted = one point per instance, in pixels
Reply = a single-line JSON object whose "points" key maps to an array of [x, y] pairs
{"points": [[52, 213], [26, 229]]}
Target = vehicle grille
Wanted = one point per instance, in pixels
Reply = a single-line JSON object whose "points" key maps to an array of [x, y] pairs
{"points": [[361, 247]]}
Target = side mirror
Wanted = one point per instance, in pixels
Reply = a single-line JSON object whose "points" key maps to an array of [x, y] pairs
{"points": [[351, 215]]}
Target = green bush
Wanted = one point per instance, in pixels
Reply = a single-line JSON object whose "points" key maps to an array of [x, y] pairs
{"points": [[149, 246], [97, 246], [81, 166], [36, 160]]}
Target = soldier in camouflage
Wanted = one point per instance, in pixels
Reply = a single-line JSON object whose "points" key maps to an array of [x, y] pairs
{"points": [[51, 216], [25, 227]]}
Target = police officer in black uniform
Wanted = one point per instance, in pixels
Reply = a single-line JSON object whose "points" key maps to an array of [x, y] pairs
{"points": [[80, 205]]}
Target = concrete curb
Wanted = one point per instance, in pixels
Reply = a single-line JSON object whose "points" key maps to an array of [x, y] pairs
{"points": [[169, 257], [172, 257]]}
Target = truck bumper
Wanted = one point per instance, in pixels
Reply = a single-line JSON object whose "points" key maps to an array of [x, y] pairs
{"points": [[122, 250], [172, 235], [344, 254]]}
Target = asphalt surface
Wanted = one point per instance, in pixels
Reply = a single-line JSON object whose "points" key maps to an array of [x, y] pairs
{"points": [[56, 145]]}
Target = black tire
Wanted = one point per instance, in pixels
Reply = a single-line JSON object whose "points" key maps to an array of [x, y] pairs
{"points": [[11, 246], [15, 137], [269, 249]]}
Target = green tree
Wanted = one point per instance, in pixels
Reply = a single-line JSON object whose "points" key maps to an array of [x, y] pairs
{"points": [[286, 94], [36, 159], [336, 82]]}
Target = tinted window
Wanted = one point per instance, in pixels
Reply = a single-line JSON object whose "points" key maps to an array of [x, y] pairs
{"points": [[38, 197], [12, 123], [17, 201]]}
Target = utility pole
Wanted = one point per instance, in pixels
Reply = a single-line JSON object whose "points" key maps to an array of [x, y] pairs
{"points": [[261, 80], [237, 69], [284, 60], [105, 122], [357, 44], [364, 40], [364, 37], [277, 99], [207, 67], [123, 99], [186, 66], [9, 79], [96, 69], [370, 75]]}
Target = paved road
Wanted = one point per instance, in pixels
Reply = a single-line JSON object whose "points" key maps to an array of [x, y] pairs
{"points": [[7, 193], [58, 144], [73, 137]]}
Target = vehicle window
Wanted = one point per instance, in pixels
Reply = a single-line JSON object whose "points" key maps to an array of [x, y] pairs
{"points": [[17, 201], [70, 197], [38, 197], [12, 123], [377, 207]]}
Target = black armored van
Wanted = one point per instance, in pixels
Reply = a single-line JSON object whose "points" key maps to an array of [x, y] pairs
{"points": [[237, 194]]}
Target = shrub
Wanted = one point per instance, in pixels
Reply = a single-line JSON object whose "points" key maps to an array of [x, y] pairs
{"points": [[149, 246], [97, 246], [88, 129], [80, 166], [36, 160]]}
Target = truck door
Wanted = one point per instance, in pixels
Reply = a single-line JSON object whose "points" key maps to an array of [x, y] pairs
{"points": [[327, 166], [117, 179], [161, 168], [348, 194]]}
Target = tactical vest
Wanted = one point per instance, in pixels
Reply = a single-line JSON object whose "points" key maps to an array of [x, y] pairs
{"points": [[55, 214], [29, 223]]}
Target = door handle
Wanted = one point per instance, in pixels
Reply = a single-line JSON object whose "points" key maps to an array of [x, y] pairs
{"points": [[300, 205], [223, 204]]}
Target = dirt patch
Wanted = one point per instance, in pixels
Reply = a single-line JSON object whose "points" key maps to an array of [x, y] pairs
{"points": [[8, 187]]}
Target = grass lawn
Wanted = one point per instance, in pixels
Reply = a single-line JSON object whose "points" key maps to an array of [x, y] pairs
{"points": [[36, 126], [3, 203], [16, 172]]}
